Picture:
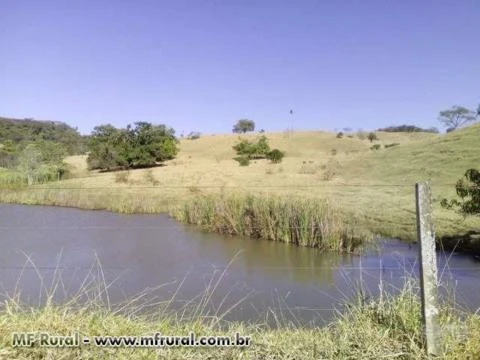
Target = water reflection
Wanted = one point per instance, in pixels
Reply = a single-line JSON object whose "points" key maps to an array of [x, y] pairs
{"points": [[144, 251]]}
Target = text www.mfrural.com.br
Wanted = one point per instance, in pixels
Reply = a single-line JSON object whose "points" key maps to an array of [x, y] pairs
{"points": [[76, 339]]}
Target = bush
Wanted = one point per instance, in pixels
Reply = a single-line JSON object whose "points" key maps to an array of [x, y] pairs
{"points": [[340, 135], [375, 147], [275, 156], [253, 150], [391, 145], [242, 160], [334, 152]]}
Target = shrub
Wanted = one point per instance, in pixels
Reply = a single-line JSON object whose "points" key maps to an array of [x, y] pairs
{"points": [[242, 160], [391, 145], [340, 135], [253, 150], [375, 147], [334, 152], [275, 156]]}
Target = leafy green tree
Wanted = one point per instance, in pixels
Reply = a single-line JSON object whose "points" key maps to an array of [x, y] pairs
{"points": [[142, 145], [455, 117], [468, 189], [243, 126]]}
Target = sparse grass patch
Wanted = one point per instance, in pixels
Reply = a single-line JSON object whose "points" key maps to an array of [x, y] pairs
{"points": [[122, 177], [150, 178]]}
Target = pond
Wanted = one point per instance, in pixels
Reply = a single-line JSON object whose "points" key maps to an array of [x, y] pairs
{"points": [[232, 277]]}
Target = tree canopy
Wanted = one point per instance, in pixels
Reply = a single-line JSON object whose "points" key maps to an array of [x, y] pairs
{"points": [[243, 126], [141, 145], [456, 116], [29, 130]]}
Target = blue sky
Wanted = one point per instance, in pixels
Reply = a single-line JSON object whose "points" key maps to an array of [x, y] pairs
{"points": [[201, 65]]}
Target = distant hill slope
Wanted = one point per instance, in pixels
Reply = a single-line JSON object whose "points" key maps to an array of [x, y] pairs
{"points": [[18, 130], [441, 159]]}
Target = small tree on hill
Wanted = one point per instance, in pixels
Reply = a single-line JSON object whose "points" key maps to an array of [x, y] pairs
{"points": [[456, 116], [468, 189], [372, 136], [243, 126]]}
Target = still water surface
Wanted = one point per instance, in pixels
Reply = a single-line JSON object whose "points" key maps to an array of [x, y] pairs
{"points": [[139, 252]]}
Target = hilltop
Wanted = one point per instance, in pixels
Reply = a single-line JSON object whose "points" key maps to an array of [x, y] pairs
{"points": [[26, 130]]}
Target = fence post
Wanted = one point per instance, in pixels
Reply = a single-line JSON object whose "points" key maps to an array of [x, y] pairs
{"points": [[428, 267]]}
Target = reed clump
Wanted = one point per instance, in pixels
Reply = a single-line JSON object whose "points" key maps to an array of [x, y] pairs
{"points": [[299, 221]]}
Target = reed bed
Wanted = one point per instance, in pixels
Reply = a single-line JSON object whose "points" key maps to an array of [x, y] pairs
{"points": [[303, 222]]}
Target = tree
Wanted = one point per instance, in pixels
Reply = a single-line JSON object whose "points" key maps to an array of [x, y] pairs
{"points": [[372, 136], [243, 125], [468, 189], [455, 117], [142, 145]]}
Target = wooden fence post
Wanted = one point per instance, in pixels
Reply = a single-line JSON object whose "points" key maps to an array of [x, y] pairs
{"points": [[428, 267]]}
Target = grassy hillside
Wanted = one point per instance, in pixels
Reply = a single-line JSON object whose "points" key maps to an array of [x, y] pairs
{"points": [[377, 186]]}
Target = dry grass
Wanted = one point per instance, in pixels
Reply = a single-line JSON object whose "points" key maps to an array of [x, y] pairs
{"points": [[356, 179]]}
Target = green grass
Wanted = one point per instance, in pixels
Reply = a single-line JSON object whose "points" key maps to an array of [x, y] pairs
{"points": [[388, 327], [304, 222]]}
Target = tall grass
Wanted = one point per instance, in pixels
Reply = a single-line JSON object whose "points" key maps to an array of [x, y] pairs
{"points": [[385, 327], [304, 222], [118, 200]]}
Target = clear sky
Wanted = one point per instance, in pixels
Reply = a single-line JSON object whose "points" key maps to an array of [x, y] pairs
{"points": [[202, 64]]}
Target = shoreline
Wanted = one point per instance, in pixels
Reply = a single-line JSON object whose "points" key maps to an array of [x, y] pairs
{"points": [[467, 242]]}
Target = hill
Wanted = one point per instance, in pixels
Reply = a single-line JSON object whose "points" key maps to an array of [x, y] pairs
{"points": [[376, 186], [27, 130]]}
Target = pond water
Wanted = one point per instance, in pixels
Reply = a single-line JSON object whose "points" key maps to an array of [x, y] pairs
{"points": [[153, 255]]}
